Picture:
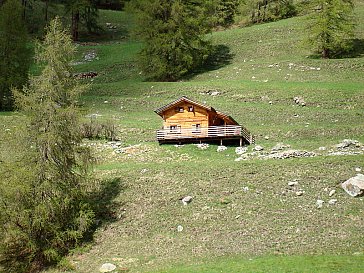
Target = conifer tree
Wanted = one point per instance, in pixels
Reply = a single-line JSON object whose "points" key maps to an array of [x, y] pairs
{"points": [[14, 53], [82, 12], [331, 27], [44, 210], [270, 10], [226, 10], [173, 33]]}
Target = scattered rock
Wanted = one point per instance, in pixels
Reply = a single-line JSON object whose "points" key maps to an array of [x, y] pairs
{"points": [[212, 93], [322, 148], [202, 146], [319, 203], [187, 199], [90, 56], [242, 157], [108, 267], [130, 150], [85, 75], [258, 148], [266, 137], [93, 116], [288, 154], [114, 144], [299, 193], [215, 93], [241, 150], [354, 186], [343, 152], [358, 169], [346, 143], [110, 26], [178, 146], [332, 192], [245, 189], [221, 148], [299, 100], [332, 201], [179, 228], [280, 146], [292, 183]]}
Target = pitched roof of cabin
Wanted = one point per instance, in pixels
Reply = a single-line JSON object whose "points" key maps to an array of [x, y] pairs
{"points": [[225, 116], [170, 105]]}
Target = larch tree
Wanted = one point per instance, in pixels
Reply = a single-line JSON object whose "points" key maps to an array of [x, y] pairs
{"points": [[331, 27], [44, 209], [174, 36], [15, 55]]}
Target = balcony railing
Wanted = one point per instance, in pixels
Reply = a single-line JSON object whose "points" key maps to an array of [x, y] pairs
{"points": [[204, 132]]}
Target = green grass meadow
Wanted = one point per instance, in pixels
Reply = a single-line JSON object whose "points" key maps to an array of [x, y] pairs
{"points": [[243, 216]]}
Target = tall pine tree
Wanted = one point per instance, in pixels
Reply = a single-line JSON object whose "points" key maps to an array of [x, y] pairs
{"points": [[14, 52], [44, 210], [173, 32]]}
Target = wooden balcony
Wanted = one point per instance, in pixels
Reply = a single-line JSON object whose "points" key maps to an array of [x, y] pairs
{"points": [[211, 133]]}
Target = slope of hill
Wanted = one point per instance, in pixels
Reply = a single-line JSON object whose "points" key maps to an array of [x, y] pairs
{"points": [[241, 208]]}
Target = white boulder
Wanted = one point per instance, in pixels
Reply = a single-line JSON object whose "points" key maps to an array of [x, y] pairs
{"points": [[354, 186]]}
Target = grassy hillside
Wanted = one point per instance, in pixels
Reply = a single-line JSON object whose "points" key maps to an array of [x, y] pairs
{"points": [[243, 215]]}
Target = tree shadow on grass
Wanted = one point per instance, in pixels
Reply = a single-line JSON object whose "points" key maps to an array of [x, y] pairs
{"points": [[357, 51], [219, 57], [105, 204], [104, 35]]}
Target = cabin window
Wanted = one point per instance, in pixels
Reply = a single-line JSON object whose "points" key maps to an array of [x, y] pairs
{"points": [[175, 128], [179, 109], [196, 128], [190, 108]]}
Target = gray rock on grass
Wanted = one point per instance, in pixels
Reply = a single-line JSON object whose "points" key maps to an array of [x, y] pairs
{"points": [[280, 146], [319, 203], [258, 148], [299, 193], [241, 150], [332, 192], [202, 146], [299, 100], [221, 148], [108, 267], [292, 183], [187, 199], [346, 143], [354, 186]]}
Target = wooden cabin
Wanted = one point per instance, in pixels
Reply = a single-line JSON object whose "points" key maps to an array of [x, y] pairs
{"points": [[185, 120]]}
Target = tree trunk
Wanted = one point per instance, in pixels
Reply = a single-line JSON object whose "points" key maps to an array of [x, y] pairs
{"points": [[75, 22], [24, 4], [325, 53], [46, 11]]}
